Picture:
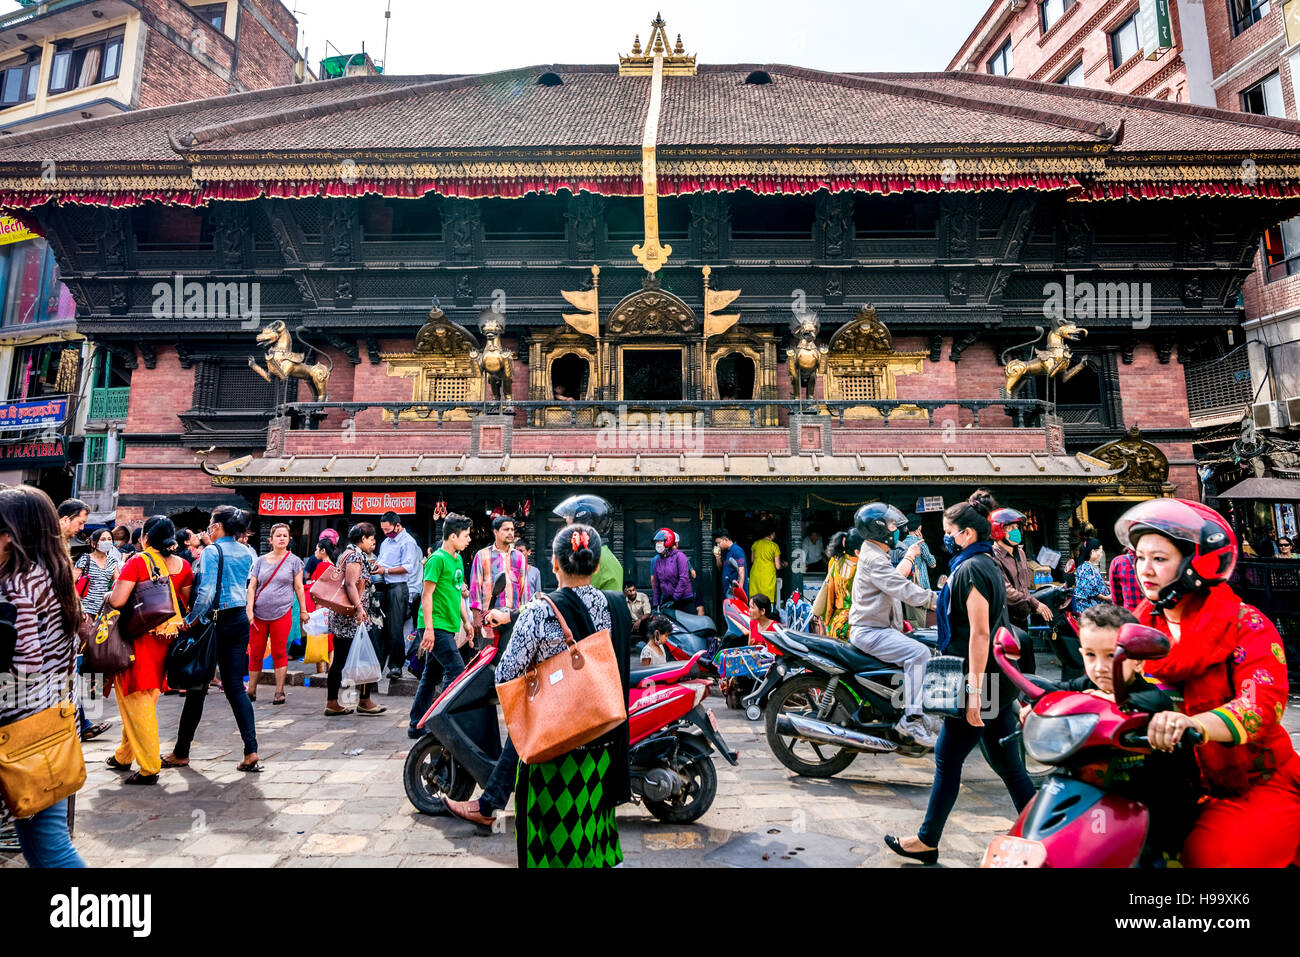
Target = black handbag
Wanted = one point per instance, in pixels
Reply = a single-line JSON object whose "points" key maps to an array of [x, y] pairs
{"points": [[150, 604], [192, 655], [945, 686]]}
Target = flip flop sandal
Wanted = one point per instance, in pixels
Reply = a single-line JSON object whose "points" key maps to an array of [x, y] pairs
{"points": [[254, 768], [335, 714], [380, 710], [139, 778], [173, 764], [117, 765], [278, 699], [252, 697], [94, 731]]}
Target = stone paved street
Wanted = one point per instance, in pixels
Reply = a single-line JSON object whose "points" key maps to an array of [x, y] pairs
{"points": [[332, 796]]}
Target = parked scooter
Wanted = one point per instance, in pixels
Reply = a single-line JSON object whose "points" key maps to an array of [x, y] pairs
{"points": [[1078, 734], [672, 739], [826, 702]]}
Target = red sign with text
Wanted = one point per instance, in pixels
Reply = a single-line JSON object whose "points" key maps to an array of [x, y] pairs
{"points": [[316, 503], [376, 503]]}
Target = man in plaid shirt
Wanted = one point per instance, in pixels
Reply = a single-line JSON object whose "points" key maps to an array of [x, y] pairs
{"points": [[1123, 581], [500, 556]]}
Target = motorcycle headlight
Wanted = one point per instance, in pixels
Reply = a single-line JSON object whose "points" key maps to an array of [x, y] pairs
{"points": [[1051, 739]]}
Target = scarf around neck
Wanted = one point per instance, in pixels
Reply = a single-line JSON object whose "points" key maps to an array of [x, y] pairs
{"points": [[945, 594]]}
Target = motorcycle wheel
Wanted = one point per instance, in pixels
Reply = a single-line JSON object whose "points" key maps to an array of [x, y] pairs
{"points": [[432, 775], [701, 788], [802, 695]]}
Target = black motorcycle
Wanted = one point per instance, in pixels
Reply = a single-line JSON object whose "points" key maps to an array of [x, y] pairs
{"points": [[826, 702]]}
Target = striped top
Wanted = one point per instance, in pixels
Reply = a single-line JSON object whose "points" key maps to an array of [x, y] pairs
{"points": [[43, 670], [101, 581]]}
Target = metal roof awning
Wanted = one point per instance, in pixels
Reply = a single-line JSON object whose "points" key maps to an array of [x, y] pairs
{"points": [[1269, 489], [660, 469]]}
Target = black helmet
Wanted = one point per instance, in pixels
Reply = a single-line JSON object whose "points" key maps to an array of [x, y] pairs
{"points": [[876, 522], [587, 510]]}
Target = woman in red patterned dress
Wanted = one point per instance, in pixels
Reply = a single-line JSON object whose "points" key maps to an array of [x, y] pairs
{"points": [[1228, 663]]}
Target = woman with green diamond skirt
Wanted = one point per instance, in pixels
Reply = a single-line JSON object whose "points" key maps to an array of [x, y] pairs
{"points": [[564, 808]]}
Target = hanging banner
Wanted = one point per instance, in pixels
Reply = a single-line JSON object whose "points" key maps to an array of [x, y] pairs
{"points": [[12, 231], [35, 454], [39, 414], [376, 503], [312, 504], [1155, 28]]}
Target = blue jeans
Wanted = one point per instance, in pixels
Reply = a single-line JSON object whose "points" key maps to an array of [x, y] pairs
{"points": [[496, 793], [957, 740], [232, 662], [45, 840], [441, 667]]}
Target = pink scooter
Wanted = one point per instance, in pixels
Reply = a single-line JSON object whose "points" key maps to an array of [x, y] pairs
{"points": [[1073, 821]]}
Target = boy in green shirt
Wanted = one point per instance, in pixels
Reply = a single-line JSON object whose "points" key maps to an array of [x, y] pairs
{"points": [[443, 616]]}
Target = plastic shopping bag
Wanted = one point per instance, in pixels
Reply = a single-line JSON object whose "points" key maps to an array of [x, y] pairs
{"points": [[318, 649], [317, 622], [362, 666]]}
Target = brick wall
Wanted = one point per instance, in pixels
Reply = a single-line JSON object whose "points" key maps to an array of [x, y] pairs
{"points": [[1154, 396], [1083, 33], [187, 59], [158, 394]]}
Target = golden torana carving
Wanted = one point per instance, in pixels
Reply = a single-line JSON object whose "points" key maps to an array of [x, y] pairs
{"points": [[651, 312], [863, 365], [1142, 462]]}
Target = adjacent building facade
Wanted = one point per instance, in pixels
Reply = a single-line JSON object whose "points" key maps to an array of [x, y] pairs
{"points": [[72, 61]]}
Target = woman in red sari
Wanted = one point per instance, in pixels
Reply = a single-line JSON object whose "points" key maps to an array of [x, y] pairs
{"points": [[1227, 661]]}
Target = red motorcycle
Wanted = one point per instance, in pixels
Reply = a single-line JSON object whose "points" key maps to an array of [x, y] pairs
{"points": [[672, 739], [1073, 820]]}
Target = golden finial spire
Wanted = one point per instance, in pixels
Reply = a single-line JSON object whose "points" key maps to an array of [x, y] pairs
{"points": [[641, 61]]}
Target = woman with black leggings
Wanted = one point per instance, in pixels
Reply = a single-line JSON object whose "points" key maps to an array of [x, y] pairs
{"points": [[971, 607]]}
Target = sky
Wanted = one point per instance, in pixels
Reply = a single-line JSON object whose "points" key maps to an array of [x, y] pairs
{"points": [[435, 36]]}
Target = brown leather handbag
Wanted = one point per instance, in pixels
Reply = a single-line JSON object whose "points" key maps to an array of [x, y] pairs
{"points": [[150, 603], [566, 701], [107, 650], [328, 592], [40, 760]]}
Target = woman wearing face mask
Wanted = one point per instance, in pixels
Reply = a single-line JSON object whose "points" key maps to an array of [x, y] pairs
{"points": [[670, 574], [1228, 664], [1090, 586], [99, 566], [1018, 578], [972, 606]]}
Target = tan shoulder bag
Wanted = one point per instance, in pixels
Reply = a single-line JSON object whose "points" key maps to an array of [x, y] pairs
{"points": [[566, 701]]}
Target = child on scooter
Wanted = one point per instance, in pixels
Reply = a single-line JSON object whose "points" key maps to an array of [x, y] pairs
{"points": [[1168, 784], [657, 631]]}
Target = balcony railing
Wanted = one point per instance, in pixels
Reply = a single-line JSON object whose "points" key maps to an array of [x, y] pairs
{"points": [[97, 485], [705, 413], [109, 403]]}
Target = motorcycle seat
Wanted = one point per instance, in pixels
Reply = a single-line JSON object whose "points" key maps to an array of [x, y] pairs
{"points": [[926, 636], [696, 624], [637, 675], [840, 652]]}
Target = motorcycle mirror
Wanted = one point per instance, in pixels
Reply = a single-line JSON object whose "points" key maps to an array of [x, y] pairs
{"points": [[1009, 643], [498, 584], [1141, 643]]}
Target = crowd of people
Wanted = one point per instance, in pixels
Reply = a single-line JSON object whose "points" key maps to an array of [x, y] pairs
{"points": [[1237, 805]]}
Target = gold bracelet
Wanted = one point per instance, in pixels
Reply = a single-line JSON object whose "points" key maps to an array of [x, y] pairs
{"points": [[1205, 732]]}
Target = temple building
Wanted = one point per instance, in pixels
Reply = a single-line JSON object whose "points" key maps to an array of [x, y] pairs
{"points": [[741, 295]]}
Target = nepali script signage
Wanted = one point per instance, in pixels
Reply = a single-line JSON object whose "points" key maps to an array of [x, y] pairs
{"points": [[34, 454], [40, 414], [1156, 28], [376, 503], [313, 504]]}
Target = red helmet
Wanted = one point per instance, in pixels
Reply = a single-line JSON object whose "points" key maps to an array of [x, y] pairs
{"points": [[1204, 537], [1001, 518], [667, 536]]}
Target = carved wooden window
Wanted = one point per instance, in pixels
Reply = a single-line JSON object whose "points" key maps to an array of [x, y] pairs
{"points": [[443, 389], [239, 387], [863, 387]]}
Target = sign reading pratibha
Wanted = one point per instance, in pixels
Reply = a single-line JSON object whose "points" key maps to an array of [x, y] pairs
{"points": [[376, 503], [315, 503], [35, 454], [41, 414]]}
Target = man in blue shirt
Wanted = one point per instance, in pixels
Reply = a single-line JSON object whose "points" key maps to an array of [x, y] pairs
{"points": [[731, 559], [226, 602], [400, 563]]}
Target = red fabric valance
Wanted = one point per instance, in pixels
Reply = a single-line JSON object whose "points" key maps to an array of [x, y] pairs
{"points": [[1100, 191]]}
